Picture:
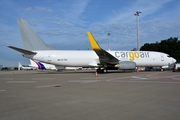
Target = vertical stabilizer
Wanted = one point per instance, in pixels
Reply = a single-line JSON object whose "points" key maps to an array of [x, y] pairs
{"points": [[38, 64], [32, 63], [30, 39], [19, 66]]}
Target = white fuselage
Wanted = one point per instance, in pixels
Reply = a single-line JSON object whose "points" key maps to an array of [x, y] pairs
{"points": [[84, 58]]}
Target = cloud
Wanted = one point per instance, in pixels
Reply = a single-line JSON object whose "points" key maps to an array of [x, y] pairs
{"points": [[62, 23], [75, 9], [6, 3], [38, 9], [126, 13]]}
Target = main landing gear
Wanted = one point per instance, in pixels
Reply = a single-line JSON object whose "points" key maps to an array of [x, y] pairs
{"points": [[102, 70]]}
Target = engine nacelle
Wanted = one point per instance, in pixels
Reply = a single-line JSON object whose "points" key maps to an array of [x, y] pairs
{"points": [[126, 65]]}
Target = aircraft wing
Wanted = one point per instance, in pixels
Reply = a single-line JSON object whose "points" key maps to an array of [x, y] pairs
{"points": [[104, 56], [22, 50]]}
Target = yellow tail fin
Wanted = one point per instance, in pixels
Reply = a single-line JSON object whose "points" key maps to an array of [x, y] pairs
{"points": [[94, 44]]}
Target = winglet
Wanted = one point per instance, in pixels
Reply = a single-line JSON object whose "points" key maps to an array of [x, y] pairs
{"points": [[94, 44], [104, 56]]}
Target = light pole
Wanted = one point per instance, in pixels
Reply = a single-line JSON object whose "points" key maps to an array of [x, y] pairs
{"points": [[137, 25], [108, 40]]}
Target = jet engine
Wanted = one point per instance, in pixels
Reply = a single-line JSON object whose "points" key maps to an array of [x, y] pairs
{"points": [[126, 65]]}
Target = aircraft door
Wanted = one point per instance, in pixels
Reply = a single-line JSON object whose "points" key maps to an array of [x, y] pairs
{"points": [[49, 59], [162, 57]]}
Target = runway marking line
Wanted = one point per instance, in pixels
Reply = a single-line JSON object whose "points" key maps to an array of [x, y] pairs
{"points": [[6, 78], [84, 81], [21, 81], [148, 82], [92, 78], [175, 78], [43, 78], [114, 79], [2, 90], [136, 77], [45, 86]]}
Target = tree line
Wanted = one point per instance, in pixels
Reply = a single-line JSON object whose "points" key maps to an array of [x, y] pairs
{"points": [[170, 46]]}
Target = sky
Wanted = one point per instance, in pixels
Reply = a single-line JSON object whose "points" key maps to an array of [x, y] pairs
{"points": [[63, 24]]}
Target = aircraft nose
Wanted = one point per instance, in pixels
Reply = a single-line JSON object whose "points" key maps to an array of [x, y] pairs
{"points": [[173, 60]]}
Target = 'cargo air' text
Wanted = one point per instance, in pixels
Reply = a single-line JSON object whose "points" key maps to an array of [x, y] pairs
{"points": [[132, 55]]}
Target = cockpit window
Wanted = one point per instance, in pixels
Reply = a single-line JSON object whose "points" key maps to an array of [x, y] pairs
{"points": [[168, 56]]}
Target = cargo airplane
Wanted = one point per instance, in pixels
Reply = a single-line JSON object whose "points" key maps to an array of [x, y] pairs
{"points": [[103, 60]]}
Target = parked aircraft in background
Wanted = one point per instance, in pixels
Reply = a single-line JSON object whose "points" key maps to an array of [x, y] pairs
{"points": [[24, 67], [104, 60], [44, 66]]}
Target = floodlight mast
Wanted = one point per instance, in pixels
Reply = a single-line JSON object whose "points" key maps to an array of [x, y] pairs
{"points": [[108, 41], [137, 25]]}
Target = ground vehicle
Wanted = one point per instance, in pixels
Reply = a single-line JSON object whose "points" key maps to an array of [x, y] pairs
{"points": [[176, 67]]}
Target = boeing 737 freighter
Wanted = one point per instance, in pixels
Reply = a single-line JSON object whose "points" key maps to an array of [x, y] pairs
{"points": [[104, 60]]}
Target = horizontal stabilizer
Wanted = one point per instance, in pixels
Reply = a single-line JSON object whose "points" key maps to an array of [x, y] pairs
{"points": [[22, 50]]}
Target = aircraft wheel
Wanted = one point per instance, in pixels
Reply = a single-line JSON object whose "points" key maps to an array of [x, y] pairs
{"points": [[101, 70], [105, 71]]}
